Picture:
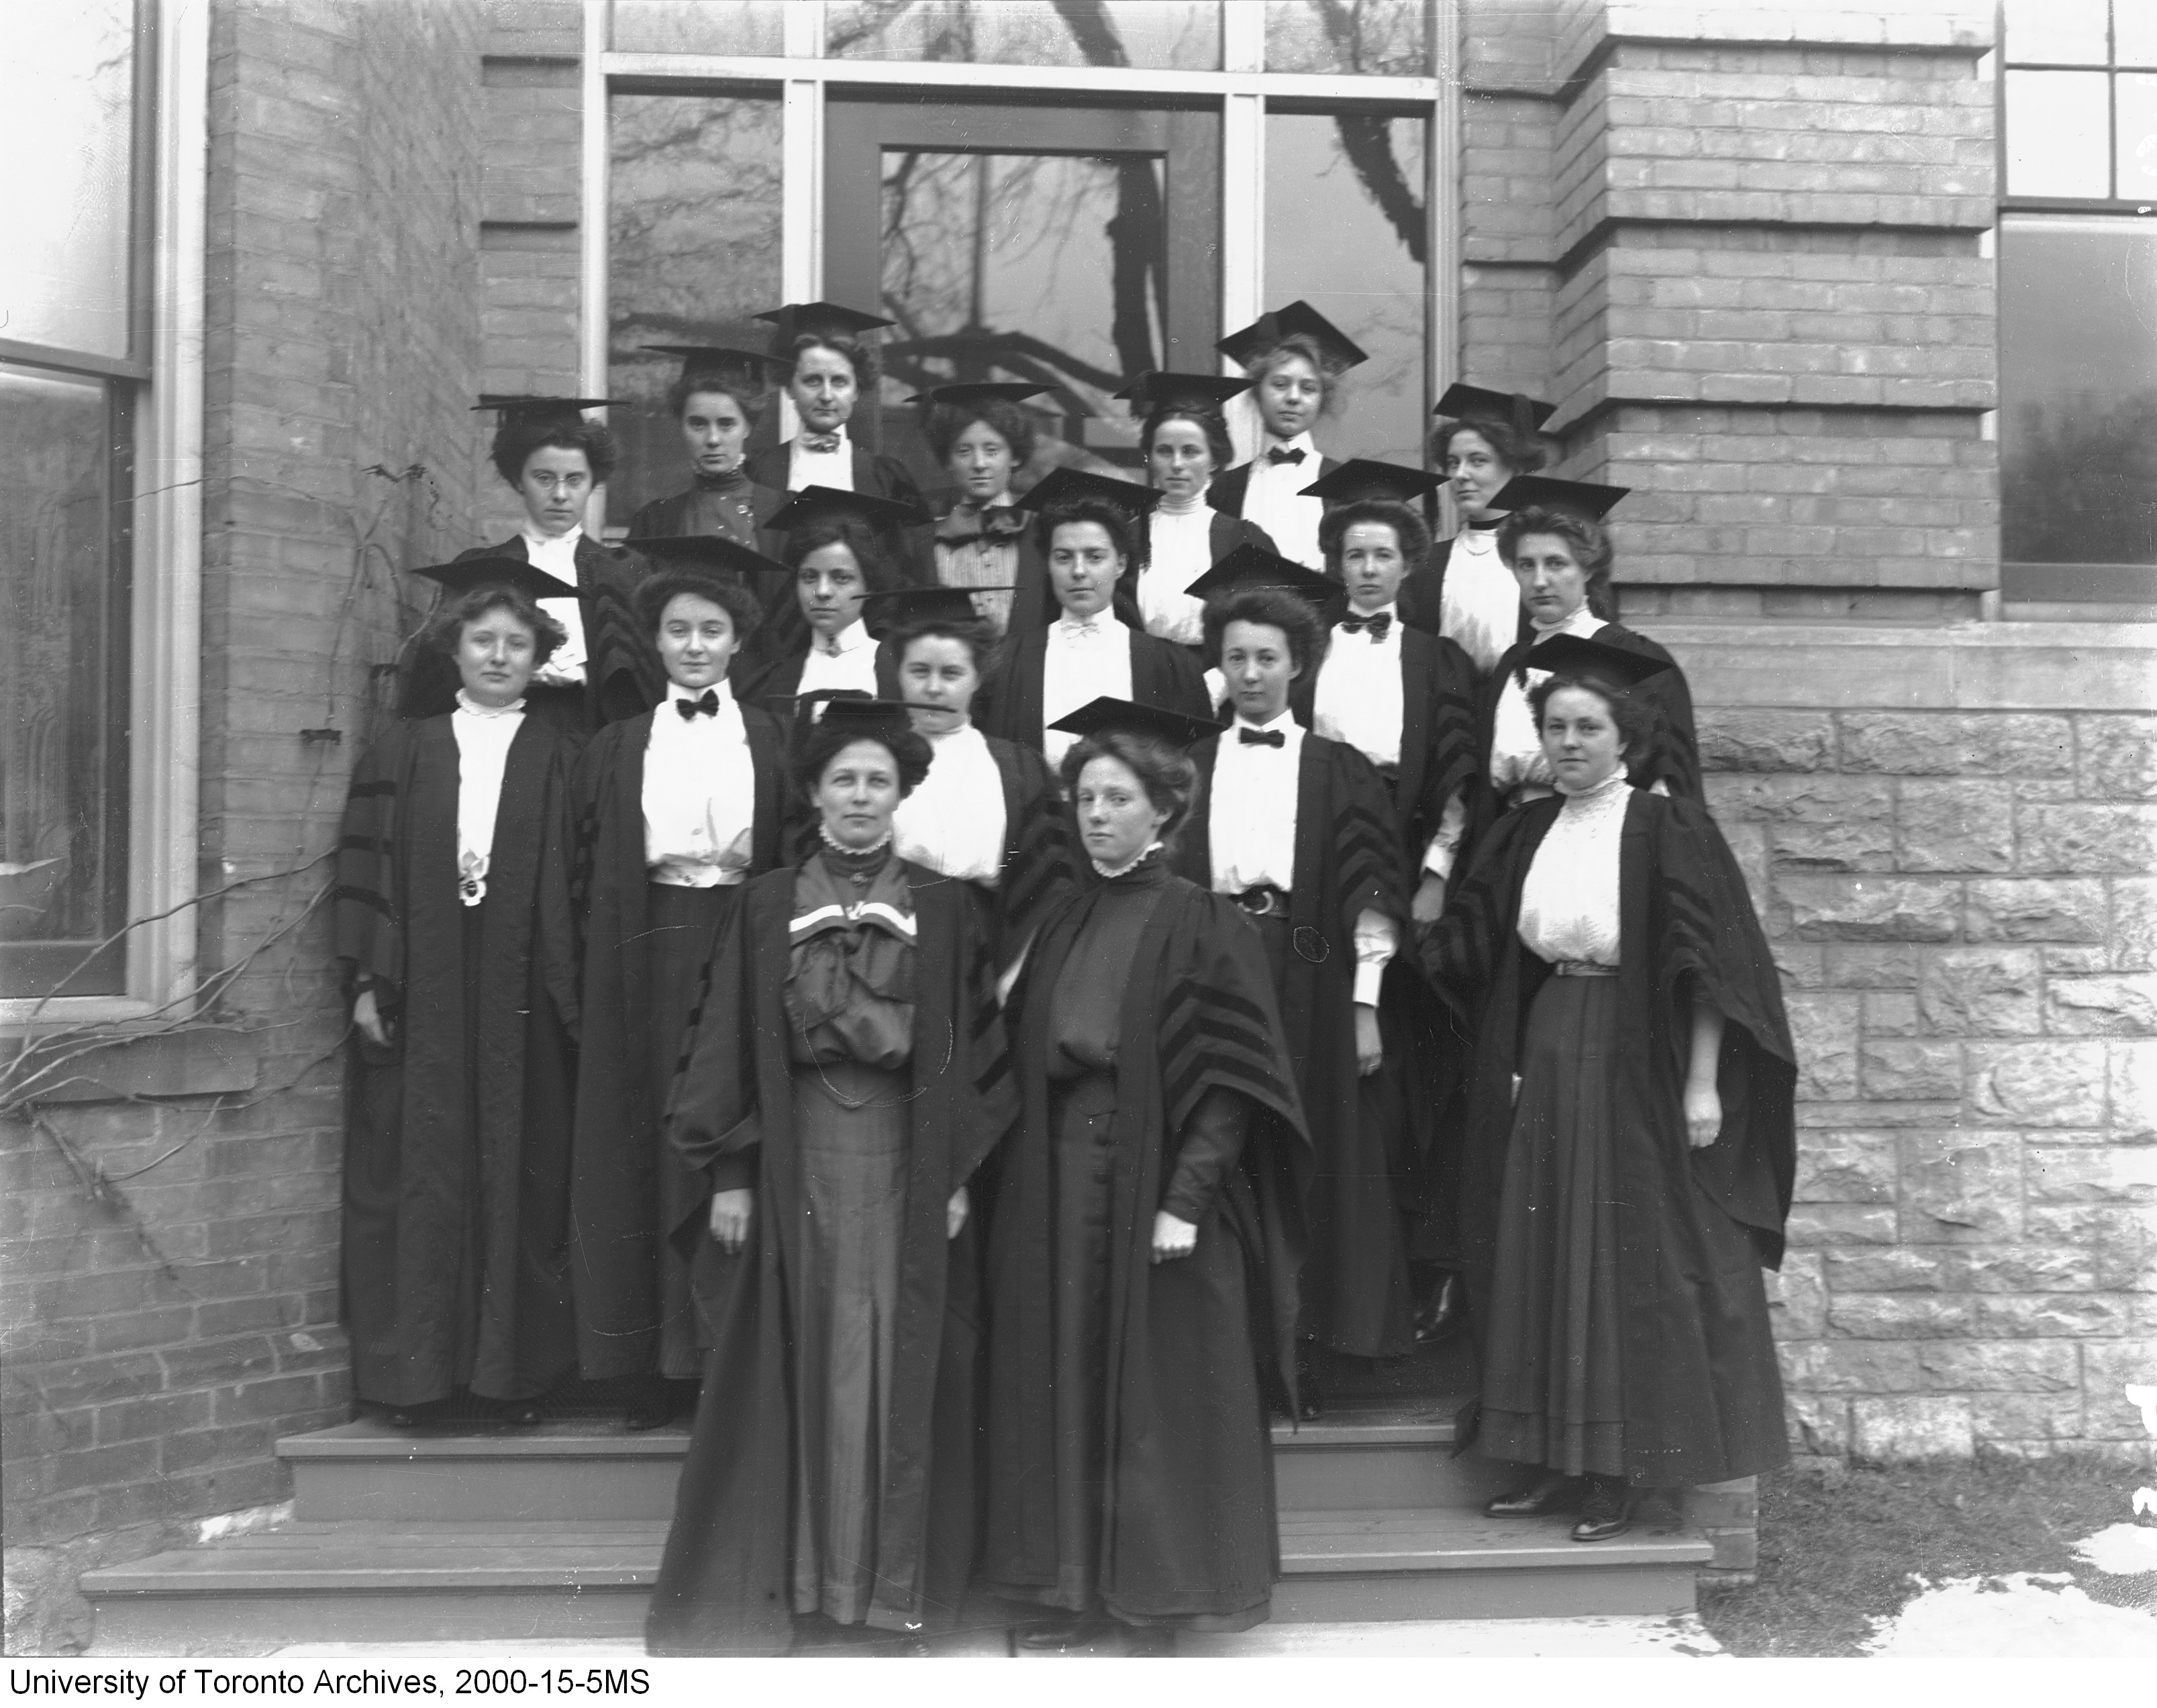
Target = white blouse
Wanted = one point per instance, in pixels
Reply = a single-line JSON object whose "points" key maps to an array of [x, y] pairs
{"points": [[483, 734], [1481, 606], [953, 823], [1358, 698], [557, 554], [850, 663], [1273, 500], [1569, 905], [1180, 550], [806, 468], [1082, 662], [699, 794]]}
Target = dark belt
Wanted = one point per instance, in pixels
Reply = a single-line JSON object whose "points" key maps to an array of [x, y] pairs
{"points": [[1264, 900], [1582, 969]]}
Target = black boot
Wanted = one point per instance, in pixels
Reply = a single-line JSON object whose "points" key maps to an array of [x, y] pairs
{"points": [[1550, 1492], [1607, 1512]]}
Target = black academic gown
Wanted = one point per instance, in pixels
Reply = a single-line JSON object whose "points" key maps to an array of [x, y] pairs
{"points": [[1422, 595], [628, 1188], [675, 516], [1228, 491], [1040, 862], [726, 1579], [877, 476], [1187, 1530], [1010, 705], [1703, 1397], [1348, 859], [456, 1265]]}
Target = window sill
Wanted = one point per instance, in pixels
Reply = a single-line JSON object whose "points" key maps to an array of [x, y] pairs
{"points": [[200, 1062]]}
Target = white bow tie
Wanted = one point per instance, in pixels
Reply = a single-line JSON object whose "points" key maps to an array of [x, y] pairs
{"points": [[1091, 629]]}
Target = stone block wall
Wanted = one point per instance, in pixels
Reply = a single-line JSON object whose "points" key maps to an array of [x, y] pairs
{"points": [[168, 1218], [1950, 835]]}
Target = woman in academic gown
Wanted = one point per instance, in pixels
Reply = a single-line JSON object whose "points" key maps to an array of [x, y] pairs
{"points": [[1295, 358], [455, 933], [1464, 590], [1185, 441], [1405, 699], [1631, 1141], [1092, 543], [836, 544], [1561, 558], [677, 810], [720, 396], [1146, 1233], [1296, 831], [983, 436], [845, 1075], [606, 670], [988, 812]]}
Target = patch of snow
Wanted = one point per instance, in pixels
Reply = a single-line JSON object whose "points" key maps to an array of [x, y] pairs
{"points": [[2023, 1614], [2121, 1549], [243, 1523]]}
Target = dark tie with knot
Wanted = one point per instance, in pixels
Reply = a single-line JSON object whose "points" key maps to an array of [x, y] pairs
{"points": [[1380, 624], [707, 703], [1282, 453], [824, 442], [1261, 737]]}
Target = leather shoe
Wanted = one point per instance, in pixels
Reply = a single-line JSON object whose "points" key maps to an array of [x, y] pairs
{"points": [[1444, 1310], [1607, 1512], [1553, 1493], [1058, 1636]]}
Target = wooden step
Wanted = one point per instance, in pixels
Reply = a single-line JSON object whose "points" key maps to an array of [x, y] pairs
{"points": [[578, 1470], [415, 1582]]}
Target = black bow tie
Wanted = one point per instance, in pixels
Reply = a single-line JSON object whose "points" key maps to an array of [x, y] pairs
{"points": [[1380, 623], [1282, 453], [1261, 737], [707, 703]]}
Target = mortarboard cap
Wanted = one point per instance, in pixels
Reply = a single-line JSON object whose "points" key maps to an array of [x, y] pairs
{"points": [[725, 367], [986, 391], [821, 319], [1361, 477], [1178, 728], [1336, 348], [1581, 498], [1465, 403], [901, 605], [1162, 390], [469, 574], [1253, 568], [816, 504], [1068, 486], [1576, 655], [509, 403], [708, 551]]}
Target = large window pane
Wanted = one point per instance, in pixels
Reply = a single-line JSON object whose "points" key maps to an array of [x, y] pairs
{"points": [[694, 214], [1051, 268], [1373, 37], [63, 711], [756, 27], [1172, 35], [2078, 391], [2057, 140], [2058, 32], [1346, 229], [67, 94], [2134, 32], [2136, 98]]}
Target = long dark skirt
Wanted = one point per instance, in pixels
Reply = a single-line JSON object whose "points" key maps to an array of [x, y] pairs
{"points": [[851, 1124], [681, 924], [439, 1316], [1553, 1370]]}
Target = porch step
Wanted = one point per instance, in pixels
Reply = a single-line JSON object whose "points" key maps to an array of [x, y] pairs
{"points": [[399, 1581], [579, 1471]]}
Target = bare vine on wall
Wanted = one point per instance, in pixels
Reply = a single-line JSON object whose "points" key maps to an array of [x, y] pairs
{"points": [[49, 1061]]}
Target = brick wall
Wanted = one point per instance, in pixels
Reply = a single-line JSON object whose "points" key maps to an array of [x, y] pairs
{"points": [[171, 1259], [1750, 262]]}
